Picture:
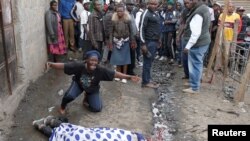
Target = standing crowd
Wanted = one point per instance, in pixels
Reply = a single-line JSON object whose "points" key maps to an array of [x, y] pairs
{"points": [[129, 34]]}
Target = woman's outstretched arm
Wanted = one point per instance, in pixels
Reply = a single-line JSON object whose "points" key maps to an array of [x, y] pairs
{"points": [[59, 66]]}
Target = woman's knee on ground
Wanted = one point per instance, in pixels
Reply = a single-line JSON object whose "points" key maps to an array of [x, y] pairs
{"points": [[95, 108]]}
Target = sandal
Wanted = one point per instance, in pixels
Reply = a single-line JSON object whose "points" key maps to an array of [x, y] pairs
{"points": [[151, 85], [185, 77]]}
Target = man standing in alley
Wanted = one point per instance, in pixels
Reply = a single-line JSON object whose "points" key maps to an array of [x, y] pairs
{"points": [[64, 8], [150, 40], [197, 35], [96, 30], [244, 23], [84, 42], [130, 7]]}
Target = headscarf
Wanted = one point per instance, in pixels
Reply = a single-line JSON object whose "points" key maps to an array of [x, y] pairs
{"points": [[92, 53]]}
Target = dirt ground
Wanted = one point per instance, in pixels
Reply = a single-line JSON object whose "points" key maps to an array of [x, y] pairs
{"points": [[123, 107], [211, 106], [184, 116]]}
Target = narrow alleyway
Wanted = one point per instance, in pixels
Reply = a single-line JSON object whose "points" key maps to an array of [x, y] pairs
{"points": [[126, 106], [166, 114]]}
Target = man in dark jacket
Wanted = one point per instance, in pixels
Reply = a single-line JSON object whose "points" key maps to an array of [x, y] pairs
{"points": [[150, 38], [197, 35], [107, 20], [96, 30], [130, 7], [244, 23]]}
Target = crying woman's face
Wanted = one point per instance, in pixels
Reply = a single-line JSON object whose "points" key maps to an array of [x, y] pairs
{"points": [[92, 63]]}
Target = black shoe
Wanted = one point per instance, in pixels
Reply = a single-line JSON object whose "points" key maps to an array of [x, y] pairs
{"points": [[63, 119], [72, 49], [47, 131], [185, 77]]}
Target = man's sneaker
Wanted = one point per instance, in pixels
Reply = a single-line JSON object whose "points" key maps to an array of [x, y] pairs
{"points": [[162, 58], [186, 84], [140, 64], [80, 50], [151, 85], [117, 79], [157, 57], [70, 59], [38, 123], [191, 91], [124, 81], [48, 119], [171, 61], [185, 77]]}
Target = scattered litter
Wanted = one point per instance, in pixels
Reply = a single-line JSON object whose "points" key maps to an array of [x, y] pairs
{"points": [[60, 93], [51, 109], [168, 75], [243, 110], [229, 92], [241, 104], [229, 112], [160, 126], [155, 112]]}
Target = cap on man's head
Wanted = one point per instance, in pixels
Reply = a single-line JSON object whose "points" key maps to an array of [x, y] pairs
{"points": [[130, 2], [217, 3], [92, 53], [85, 1], [240, 9]]}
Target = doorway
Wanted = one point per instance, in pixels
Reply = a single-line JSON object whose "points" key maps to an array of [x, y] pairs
{"points": [[8, 57]]}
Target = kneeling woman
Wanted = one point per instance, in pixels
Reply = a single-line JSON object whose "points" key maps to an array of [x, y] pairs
{"points": [[87, 77]]}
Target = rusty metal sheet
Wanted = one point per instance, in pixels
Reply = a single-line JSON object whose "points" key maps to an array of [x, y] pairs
{"points": [[3, 82], [6, 12], [1, 48], [9, 41], [13, 73], [8, 64]]}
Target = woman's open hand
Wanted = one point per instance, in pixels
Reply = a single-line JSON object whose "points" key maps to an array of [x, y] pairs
{"points": [[135, 78], [47, 67]]}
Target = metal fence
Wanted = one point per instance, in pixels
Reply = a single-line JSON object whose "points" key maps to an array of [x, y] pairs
{"points": [[238, 59]]}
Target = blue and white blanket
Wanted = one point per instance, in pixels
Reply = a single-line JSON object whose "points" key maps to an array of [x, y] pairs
{"points": [[70, 132]]}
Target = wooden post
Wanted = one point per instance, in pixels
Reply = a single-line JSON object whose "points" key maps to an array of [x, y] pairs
{"points": [[217, 39], [240, 93]]}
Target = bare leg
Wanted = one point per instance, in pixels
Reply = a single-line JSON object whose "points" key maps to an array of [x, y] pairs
{"points": [[118, 68], [125, 69], [54, 58]]}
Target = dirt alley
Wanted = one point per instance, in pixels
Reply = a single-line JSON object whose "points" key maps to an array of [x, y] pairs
{"points": [[128, 106]]}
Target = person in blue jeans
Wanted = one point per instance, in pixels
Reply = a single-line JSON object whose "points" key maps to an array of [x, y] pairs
{"points": [[150, 40], [184, 60], [86, 77], [197, 36]]}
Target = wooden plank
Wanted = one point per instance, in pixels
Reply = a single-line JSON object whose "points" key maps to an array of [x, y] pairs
{"points": [[217, 39], [240, 93]]}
